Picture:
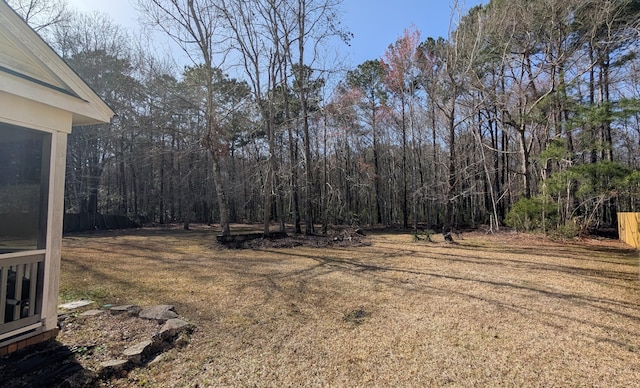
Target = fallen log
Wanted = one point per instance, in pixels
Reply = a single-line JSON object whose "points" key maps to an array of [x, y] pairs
{"points": [[237, 240]]}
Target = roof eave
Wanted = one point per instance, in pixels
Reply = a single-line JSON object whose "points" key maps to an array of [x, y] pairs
{"points": [[85, 105]]}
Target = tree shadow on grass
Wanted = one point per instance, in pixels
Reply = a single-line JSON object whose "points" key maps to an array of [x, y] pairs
{"points": [[617, 309], [259, 271]]}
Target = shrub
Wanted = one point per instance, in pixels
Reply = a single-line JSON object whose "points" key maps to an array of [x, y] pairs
{"points": [[569, 229], [527, 214]]}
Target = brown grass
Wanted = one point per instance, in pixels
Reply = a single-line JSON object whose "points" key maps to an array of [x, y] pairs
{"points": [[506, 310]]}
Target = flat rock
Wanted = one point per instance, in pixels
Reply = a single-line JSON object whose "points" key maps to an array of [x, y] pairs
{"points": [[176, 325], [173, 327], [92, 313], [75, 304], [130, 309], [113, 364], [157, 359], [134, 353], [160, 313]]}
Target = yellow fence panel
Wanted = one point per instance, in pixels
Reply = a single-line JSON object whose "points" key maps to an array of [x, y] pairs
{"points": [[629, 228]]}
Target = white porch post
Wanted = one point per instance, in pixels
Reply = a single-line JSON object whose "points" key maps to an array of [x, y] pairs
{"points": [[54, 230]]}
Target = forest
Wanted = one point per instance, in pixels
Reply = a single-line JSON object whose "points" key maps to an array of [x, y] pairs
{"points": [[527, 115]]}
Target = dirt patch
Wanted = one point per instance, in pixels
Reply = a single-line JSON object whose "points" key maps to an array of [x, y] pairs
{"points": [[96, 339], [77, 357], [357, 316], [505, 309], [73, 359]]}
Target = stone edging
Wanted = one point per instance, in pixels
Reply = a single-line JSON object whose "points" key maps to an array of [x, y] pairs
{"points": [[144, 351]]}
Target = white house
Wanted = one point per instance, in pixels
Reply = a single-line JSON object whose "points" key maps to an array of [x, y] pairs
{"points": [[41, 98]]}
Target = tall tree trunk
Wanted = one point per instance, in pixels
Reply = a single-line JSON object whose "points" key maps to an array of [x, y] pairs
{"points": [[592, 103], [325, 179], [308, 170], [124, 205], [434, 165], [607, 146], [268, 181], [414, 164], [214, 144], [161, 205], [490, 192], [347, 174], [303, 79], [376, 162], [293, 155], [451, 190], [223, 204], [405, 202], [524, 160]]}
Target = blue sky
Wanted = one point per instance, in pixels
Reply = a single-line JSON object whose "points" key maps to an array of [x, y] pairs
{"points": [[378, 23], [374, 23]]}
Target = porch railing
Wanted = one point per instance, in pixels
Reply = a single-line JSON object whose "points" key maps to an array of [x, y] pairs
{"points": [[21, 296]]}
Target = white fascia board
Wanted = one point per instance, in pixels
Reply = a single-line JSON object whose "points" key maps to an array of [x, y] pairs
{"points": [[84, 113]]}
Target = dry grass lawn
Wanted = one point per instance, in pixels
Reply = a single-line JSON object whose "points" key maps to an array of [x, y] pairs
{"points": [[505, 310]]}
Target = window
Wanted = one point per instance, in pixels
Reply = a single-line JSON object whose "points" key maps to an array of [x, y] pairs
{"points": [[24, 187]]}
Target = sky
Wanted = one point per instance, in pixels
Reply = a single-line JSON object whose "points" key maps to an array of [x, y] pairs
{"points": [[375, 24]]}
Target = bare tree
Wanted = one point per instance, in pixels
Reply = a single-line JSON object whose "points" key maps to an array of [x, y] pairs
{"points": [[368, 79], [400, 62], [41, 15], [195, 25], [447, 65], [316, 21], [256, 29]]}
